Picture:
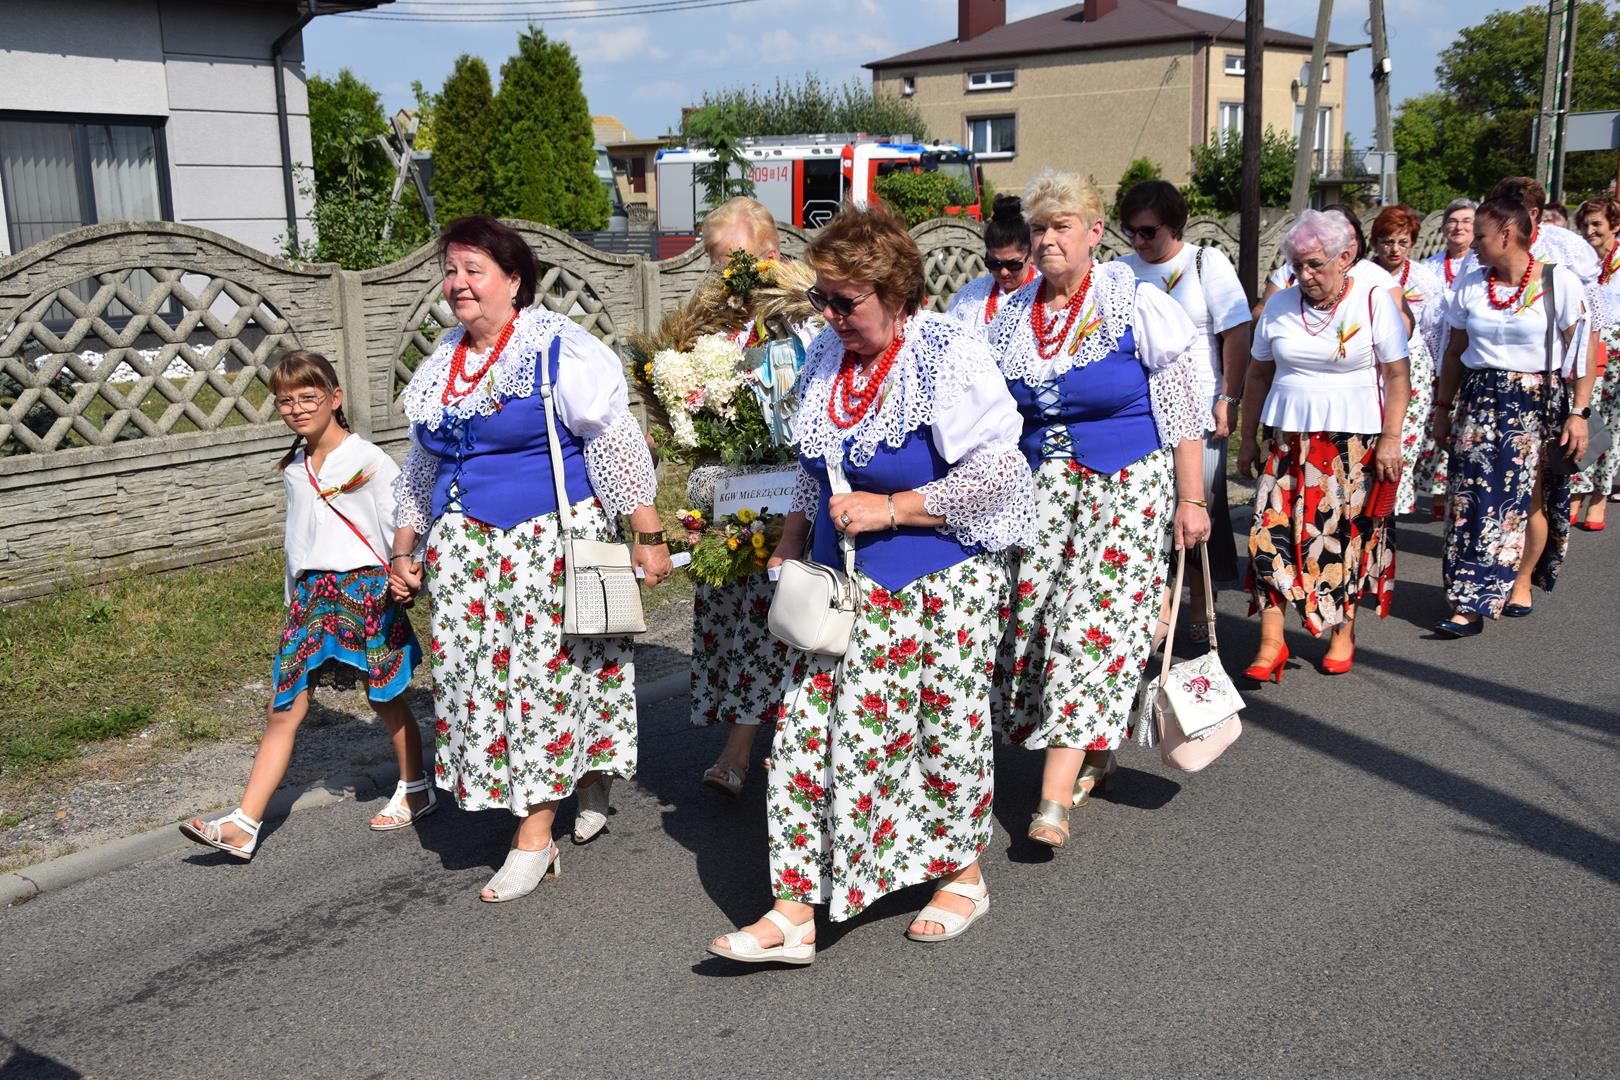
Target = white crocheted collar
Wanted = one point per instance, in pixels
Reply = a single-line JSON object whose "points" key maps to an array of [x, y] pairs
{"points": [[976, 290], [512, 376], [1108, 312], [940, 359]]}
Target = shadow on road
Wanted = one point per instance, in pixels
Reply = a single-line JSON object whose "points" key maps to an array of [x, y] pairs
{"points": [[18, 1061]]}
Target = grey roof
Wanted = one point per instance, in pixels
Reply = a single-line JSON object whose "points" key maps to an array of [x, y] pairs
{"points": [[1134, 22]]}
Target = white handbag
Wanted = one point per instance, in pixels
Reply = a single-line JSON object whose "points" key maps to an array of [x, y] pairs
{"points": [[1190, 711], [601, 597], [814, 606]]}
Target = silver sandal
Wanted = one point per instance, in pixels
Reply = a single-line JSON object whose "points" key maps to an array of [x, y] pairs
{"points": [[209, 833]]}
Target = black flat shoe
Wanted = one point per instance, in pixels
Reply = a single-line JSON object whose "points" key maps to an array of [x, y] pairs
{"points": [[1517, 611], [1449, 629]]}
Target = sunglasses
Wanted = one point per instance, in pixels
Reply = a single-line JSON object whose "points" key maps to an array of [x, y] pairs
{"points": [[1013, 266], [842, 306], [1146, 232]]}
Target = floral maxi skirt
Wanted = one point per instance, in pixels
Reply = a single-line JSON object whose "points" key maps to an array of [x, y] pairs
{"points": [[1423, 470], [740, 673], [342, 629], [1599, 476], [880, 775], [523, 711], [1496, 454], [1085, 598], [1311, 543]]}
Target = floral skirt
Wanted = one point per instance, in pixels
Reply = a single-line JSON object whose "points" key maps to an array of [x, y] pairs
{"points": [[1599, 476], [740, 673], [341, 628], [880, 773], [523, 711], [1495, 460], [1423, 472], [1311, 544], [1085, 598]]}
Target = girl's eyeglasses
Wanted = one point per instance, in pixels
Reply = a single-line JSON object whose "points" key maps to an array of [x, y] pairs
{"points": [[1012, 266], [842, 306], [301, 403]]}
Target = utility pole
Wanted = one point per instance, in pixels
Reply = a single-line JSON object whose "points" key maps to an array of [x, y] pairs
{"points": [[1249, 199], [1545, 122], [1561, 121], [1306, 157], [1380, 77]]}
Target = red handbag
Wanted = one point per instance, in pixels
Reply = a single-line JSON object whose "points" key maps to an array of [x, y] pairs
{"points": [[1381, 500]]}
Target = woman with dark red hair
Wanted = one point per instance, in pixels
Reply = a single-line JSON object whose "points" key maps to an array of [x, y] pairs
{"points": [[1394, 234]]}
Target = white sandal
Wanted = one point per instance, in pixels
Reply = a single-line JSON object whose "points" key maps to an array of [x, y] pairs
{"points": [[725, 778], [521, 873], [955, 925], [591, 816], [399, 812], [209, 834], [743, 946]]}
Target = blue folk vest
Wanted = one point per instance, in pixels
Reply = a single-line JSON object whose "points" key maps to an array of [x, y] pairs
{"points": [[1099, 415]]}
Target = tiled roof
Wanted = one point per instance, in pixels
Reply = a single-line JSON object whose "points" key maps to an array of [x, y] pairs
{"points": [[1134, 22]]}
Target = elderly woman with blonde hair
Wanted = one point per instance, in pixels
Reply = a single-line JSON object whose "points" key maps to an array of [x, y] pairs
{"points": [[1330, 380], [880, 774], [1106, 376]]}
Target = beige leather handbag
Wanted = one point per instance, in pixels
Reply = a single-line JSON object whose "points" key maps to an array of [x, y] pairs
{"points": [[601, 597], [814, 606]]}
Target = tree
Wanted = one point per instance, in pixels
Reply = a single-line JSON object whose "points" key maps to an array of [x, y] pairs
{"points": [[920, 196], [345, 117], [463, 123], [726, 177], [1216, 184], [543, 148], [1477, 127], [1137, 172], [810, 106]]}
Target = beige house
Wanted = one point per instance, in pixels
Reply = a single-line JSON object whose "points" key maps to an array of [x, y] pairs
{"points": [[1090, 87], [635, 170]]}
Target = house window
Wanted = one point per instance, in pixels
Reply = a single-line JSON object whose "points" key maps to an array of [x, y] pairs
{"points": [[991, 80], [993, 136], [1324, 125], [60, 172], [1305, 73], [1234, 64], [908, 85], [1231, 120]]}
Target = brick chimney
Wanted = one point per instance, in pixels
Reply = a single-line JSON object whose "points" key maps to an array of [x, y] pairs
{"points": [[1096, 9], [974, 17]]}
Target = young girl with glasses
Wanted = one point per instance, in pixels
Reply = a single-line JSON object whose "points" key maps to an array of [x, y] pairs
{"points": [[342, 628]]}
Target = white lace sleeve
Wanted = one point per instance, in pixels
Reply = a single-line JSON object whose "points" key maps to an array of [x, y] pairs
{"points": [[987, 498], [413, 489], [620, 467], [806, 494], [1164, 341]]}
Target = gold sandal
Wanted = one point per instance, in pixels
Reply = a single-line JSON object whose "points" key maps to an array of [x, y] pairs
{"points": [[1050, 817], [1098, 775]]}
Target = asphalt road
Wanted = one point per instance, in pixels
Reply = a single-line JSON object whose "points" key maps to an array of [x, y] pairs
{"points": [[1412, 870]]}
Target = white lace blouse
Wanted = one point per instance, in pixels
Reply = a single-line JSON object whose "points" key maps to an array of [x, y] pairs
{"points": [[944, 380], [1166, 343], [590, 395]]}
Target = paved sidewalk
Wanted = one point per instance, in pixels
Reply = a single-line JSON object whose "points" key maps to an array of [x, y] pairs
{"points": [[1410, 870]]}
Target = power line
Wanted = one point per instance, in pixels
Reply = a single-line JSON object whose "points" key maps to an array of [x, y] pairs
{"points": [[655, 8]]}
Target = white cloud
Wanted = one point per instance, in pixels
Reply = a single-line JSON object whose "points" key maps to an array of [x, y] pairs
{"points": [[614, 45]]}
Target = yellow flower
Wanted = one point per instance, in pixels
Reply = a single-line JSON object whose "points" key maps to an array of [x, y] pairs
{"points": [[732, 543], [726, 273], [759, 541], [646, 369], [746, 515], [762, 266]]}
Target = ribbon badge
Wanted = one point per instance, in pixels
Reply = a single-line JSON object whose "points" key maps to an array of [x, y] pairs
{"points": [[353, 483], [1172, 281], [1346, 332], [1529, 301], [1090, 323]]}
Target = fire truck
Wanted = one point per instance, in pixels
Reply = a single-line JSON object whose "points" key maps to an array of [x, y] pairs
{"points": [[804, 179]]}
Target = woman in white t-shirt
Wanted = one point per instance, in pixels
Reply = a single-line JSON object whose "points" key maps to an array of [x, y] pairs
{"points": [[1508, 518], [1202, 280], [1330, 365]]}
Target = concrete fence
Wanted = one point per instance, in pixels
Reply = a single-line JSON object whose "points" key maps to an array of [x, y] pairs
{"points": [[136, 426]]}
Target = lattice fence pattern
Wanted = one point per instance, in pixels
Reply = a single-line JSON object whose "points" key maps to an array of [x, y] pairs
{"points": [[947, 269], [136, 353], [559, 289]]}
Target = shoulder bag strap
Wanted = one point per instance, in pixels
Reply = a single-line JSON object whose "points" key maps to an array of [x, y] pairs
{"points": [[565, 513], [1550, 397], [840, 486], [1175, 614], [316, 484], [1209, 595]]}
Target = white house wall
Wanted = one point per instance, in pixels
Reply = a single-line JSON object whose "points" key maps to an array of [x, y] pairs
{"points": [[204, 65]]}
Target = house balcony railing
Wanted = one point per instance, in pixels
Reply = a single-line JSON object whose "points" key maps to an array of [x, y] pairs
{"points": [[1340, 166]]}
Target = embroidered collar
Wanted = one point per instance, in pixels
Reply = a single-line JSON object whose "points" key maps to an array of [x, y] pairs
{"points": [[511, 377], [1109, 311]]}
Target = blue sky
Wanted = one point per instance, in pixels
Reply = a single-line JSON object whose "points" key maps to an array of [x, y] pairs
{"points": [[642, 69]]}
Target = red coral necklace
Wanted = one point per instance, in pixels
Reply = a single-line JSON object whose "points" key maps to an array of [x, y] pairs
{"points": [[460, 384], [1611, 263], [993, 301], [1337, 300], [1047, 343], [848, 406], [1524, 282]]}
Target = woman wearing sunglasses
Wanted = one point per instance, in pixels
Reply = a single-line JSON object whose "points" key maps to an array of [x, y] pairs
{"points": [[1006, 257], [880, 773], [1203, 281], [1106, 375]]}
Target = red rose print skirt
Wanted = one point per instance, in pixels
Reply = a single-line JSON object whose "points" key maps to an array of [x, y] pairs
{"points": [[740, 673], [522, 710]]}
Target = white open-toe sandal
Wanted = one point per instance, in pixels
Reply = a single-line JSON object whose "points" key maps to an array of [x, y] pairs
{"points": [[209, 834], [521, 872], [399, 812], [741, 945], [955, 925], [725, 778], [591, 817]]}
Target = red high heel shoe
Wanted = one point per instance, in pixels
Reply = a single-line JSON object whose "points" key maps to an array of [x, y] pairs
{"points": [[1331, 666], [1271, 673]]}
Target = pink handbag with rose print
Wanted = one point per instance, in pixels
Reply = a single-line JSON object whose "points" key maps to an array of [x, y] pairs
{"points": [[1195, 705]]}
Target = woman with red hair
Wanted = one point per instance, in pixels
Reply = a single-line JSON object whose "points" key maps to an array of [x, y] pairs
{"points": [[1394, 234]]}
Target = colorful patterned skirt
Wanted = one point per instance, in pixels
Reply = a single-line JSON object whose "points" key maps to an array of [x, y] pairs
{"points": [[1311, 543], [523, 711], [342, 628], [740, 673], [1599, 476], [1423, 472], [1085, 600], [1495, 460], [880, 773]]}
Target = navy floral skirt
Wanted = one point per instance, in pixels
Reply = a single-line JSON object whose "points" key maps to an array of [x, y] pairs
{"points": [[343, 630], [1496, 454]]}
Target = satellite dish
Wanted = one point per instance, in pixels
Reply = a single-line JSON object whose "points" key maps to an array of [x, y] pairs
{"points": [[1366, 29]]}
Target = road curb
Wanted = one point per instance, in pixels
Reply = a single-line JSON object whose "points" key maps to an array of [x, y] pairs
{"points": [[23, 885]]}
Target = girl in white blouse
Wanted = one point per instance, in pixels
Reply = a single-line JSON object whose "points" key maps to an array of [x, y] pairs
{"points": [[342, 627], [1330, 365]]}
